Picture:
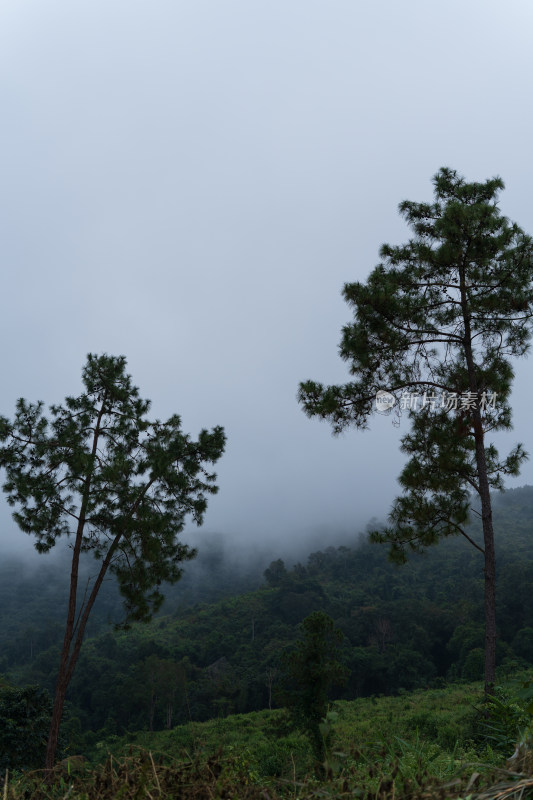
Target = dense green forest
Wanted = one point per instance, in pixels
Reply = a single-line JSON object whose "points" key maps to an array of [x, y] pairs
{"points": [[217, 647]]}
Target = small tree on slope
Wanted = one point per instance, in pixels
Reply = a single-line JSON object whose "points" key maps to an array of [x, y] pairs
{"points": [[310, 670], [98, 471], [439, 319]]}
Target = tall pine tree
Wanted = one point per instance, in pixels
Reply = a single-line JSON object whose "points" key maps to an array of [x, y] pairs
{"points": [[435, 326]]}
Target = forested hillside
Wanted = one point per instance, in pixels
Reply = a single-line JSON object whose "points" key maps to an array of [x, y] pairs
{"points": [[34, 595], [405, 627]]}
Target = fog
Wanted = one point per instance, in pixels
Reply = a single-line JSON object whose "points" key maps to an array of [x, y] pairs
{"points": [[190, 184]]}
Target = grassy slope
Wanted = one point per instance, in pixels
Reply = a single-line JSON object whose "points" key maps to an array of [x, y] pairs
{"points": [[431, 727], [405, 747]]}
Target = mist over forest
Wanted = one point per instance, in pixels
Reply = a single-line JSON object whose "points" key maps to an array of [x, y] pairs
{"points": [[224, 565]]}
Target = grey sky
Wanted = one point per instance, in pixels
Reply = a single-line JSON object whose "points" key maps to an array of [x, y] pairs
{"points": [[191, 183]]}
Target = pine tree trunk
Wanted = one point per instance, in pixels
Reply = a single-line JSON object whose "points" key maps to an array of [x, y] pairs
{"points": [[490, 560], [151, 713], [490, 606], [68, 660], [57, 713], [63, 674], [486, 505], [69, 654]]}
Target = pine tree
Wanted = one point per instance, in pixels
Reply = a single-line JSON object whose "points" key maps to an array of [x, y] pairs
{"points": [[120, 486], [435, 326], [309, 671]]}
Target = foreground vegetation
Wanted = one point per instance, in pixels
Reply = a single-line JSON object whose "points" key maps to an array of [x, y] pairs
{"points": [[427, 744], [180, 705], [410, 627]]}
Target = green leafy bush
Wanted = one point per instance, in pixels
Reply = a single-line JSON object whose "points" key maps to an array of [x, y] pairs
{"points": [[503, 722]]}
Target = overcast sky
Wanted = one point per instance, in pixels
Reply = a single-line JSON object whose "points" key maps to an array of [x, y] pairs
{"points": [[190, 184]]}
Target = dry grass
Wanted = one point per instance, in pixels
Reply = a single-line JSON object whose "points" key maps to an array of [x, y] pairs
{"points": [[139, 775]]}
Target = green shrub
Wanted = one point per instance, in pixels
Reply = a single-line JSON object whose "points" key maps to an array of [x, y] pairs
{"points": [[502, 721], [474, 665], [24, 724]]}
